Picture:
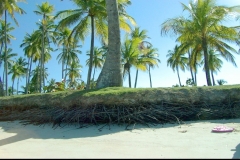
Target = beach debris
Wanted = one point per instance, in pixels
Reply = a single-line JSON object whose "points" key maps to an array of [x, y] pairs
{"points": [[222, 128]]}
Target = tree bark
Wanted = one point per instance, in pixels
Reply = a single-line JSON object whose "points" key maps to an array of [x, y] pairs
{"points": [[206, 65], [91, 55], [111, 74], [135, 85]]}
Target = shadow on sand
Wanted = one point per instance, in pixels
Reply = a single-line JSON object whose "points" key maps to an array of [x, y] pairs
{"points": [[22, 132]]}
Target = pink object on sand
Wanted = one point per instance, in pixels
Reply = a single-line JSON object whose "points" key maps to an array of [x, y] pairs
{"points": [[222, 129]]}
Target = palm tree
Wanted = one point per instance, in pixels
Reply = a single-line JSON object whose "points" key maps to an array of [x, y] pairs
{"points": [[18, 70], [88, 15], [45, 10], [130, 56], [215, 63], [10, 7], [151, 54], [176, 60], [32, 50], [98, 59], [9, 61], [66, 42], [205, 19], [73, 73], [2, 35]]}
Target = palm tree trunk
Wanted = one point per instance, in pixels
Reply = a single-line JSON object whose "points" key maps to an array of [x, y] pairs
{"points": [[13, 85], [5, 58], [111, 74], [190, 66], [91, 54], [135, 85], [1, 53], [26, 90], [94, 73], [179, 77], [129, 78], [206, 65], [195, 74], [150, 78], [213, 78], [29, 73], [17, 85]]}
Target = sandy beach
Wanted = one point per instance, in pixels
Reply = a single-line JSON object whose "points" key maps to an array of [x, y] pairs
{"points": [[193, 139]]}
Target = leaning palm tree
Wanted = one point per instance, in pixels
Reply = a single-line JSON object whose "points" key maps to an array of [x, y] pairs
{"points": [[175, 60], [45, 10], [205, 18], [10, 7]]}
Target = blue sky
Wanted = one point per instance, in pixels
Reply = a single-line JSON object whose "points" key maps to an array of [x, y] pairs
{"points": [[149, 15]]}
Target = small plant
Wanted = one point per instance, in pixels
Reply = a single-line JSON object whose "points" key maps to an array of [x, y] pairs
{"points": [[221, 82]]}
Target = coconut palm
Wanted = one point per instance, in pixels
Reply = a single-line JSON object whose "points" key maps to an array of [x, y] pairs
{"points": [[2, 35], [66, 43], [130, 56], [73, 72], [9, 61], [18, 70], [32, 50], [152, 55], [177, 60], [10, 7], [215, 63], [98, 59], [206, 17], [45, 10]]}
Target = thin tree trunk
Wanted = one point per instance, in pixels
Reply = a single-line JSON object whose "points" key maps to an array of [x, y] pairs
{"points": [[12, 85], [1, 53], [213, 78], [5, 59], [17, 85], [195, 74], [206, 65], [91, 54], [111, 74], [135, 85], [129, 78], [94, 73], [29, 73], [190, 66], [150, 78], [179, 77]]}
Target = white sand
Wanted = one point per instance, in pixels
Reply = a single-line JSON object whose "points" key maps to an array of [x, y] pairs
{"points": [[191, 140]]}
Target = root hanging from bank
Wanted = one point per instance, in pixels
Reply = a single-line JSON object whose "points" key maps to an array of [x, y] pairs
{"points": [[145, 114]]}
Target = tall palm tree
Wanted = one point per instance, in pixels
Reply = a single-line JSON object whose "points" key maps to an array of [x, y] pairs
{"points": [[215, 63], [130, 56], [10, 7], [206, 28], [18, 70], [98, 59], [32, 50], [2, 35], [66, 43], [176, 60], [89, 14], [152, 55], [45, 10], [9, 61]]}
